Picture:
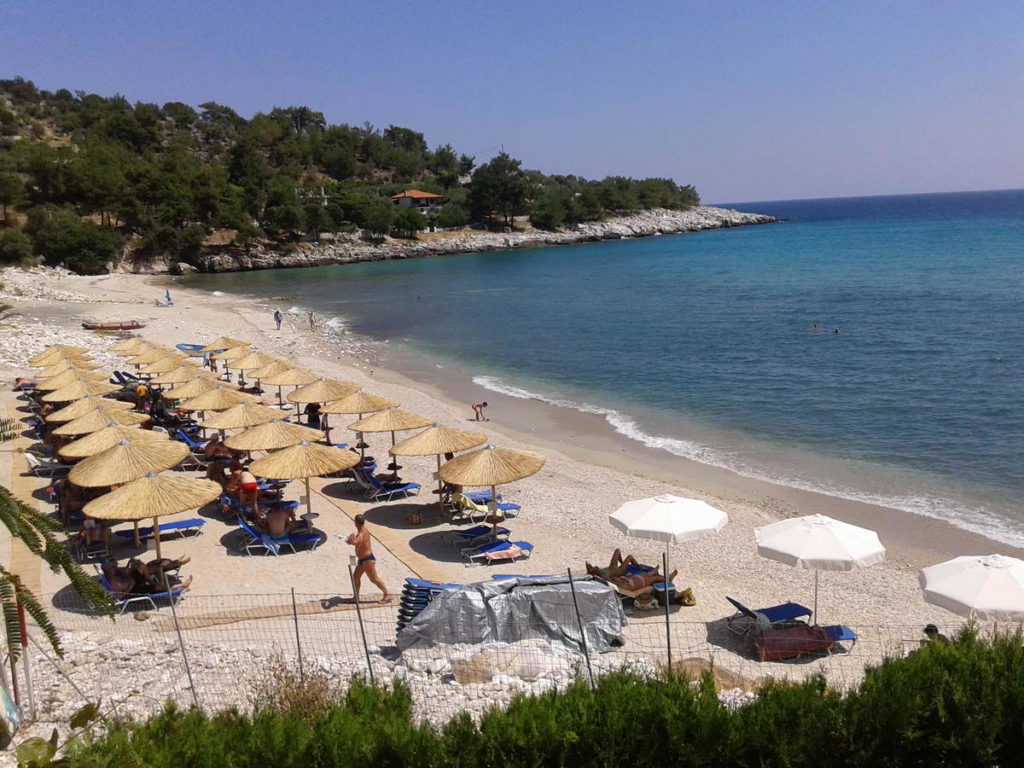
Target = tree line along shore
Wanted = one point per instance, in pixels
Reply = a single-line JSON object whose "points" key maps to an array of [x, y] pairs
{"points": [[91, 182]]}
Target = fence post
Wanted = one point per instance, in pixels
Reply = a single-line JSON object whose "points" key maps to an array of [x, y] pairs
{"points": [[298, 640], [579, 623], [26, 660], [362, 629], [181, 643], [668, 625]]}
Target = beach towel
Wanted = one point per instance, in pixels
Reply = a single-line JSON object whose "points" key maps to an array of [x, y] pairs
{"points": [[508, 553]]}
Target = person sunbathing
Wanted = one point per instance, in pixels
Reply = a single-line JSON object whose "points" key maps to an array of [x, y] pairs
{"points": [[616, 567], [641, 580], [278, 522], [216, 449]]}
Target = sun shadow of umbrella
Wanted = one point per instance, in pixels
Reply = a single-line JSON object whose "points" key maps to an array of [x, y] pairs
{"points": [[343, 490], [437, 546], [233, 541], [396, 516]]}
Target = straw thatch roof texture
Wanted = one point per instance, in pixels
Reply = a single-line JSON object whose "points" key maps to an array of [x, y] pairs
{"points": [[252, 361], [391, 420], [438, 440], [304, 460], [98, 418], [68, 377], [272, 435], [219, 399], [78, 389], [224, 342], [153, 495], [196, 387], [241, 416], [128, 460], [235, 353], [83, 406], [491, 466], [105, 438], [296, 377], [322, 391], [359, 402]]}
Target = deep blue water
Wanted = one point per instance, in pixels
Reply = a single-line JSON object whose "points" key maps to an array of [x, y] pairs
{"points": [[700, 343]]}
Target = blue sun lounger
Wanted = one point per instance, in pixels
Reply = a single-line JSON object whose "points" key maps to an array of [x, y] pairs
{"points": [[480, 554], [379, 490], [745, 619], [191, 527], [840, 633], [477, 535], [271, 545]]}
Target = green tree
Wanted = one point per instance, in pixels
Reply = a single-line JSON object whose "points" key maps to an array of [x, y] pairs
{"points": [[61, 237], [500, 188], [445, 165], [409, 221], [37, 532], [12, 192], [15, 246], [451, 215], [378, 216]]}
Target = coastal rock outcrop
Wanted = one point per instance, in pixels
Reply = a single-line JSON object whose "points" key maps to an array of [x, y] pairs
{"points": [[351, 248]]}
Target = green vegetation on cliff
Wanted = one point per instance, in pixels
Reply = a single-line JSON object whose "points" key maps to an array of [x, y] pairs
{"points": [[83, 175]]}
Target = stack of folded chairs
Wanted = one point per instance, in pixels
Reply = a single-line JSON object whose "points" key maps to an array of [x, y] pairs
{"points": [[416, 594]]}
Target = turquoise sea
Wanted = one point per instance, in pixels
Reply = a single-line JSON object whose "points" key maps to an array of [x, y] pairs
{"points": [[722, 346]]}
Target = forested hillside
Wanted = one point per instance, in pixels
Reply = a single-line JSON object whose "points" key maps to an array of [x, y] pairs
{"points": [[87, 178]]}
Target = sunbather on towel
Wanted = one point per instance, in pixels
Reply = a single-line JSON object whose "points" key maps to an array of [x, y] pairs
{"points": [[278, 522], [616, 567], [641, 580]]}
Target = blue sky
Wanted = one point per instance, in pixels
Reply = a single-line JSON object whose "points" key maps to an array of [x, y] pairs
{"points": [[746, 100]]}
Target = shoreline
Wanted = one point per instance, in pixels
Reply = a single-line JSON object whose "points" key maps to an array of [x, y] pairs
{"points": [[353, 249]]}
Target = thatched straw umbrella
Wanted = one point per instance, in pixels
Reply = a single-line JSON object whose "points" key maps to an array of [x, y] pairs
{"points": [[107, 437], [150, 355], [99, 418], [51, 355], [251, 362], [240, 416], [70, 376], [271, 436], [129, 347], [196, 387], [181, 374], [304, 461], [322, 391], [391, 420], [166, 364], [217, 399], [85, 405], [272, 368], [56, 349], [152, 496], [224, 342], [128, 460], [67, 365], [56, 358], [437, 441], [294, 377], [80, 388], [356, 404], [491, 466]]}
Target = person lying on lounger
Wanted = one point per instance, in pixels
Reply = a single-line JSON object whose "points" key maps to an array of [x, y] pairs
{"points": [[616, 567]]}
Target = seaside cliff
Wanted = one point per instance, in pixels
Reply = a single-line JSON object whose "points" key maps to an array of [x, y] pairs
{"points": [[353, 248]]}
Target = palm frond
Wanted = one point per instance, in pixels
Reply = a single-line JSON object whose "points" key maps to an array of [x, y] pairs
{"points": [[12, 628]]}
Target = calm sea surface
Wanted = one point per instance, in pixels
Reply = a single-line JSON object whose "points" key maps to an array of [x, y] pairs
{"points": [[720, 346]]}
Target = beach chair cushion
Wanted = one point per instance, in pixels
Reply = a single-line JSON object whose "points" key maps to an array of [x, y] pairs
{"points": [[790, 642], [191, 527], [840, 633]]}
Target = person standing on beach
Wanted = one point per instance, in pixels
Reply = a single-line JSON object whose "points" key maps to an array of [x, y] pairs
{"points": [[312, 321], [367, 562], [478, 411], [278, 318]]}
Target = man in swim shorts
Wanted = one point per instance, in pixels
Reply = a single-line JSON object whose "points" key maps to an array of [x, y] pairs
{"points": [[367, 562]]}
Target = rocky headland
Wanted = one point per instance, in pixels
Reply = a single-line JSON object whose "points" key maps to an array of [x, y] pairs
{"points": [[351, 248]]}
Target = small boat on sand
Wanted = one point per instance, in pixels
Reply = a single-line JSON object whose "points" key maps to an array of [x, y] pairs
{"points": [[190, 349], [124, 325]]}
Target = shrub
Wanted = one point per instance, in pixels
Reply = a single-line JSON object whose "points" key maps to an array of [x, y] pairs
{"points": [[62, 237], [15, 247]]}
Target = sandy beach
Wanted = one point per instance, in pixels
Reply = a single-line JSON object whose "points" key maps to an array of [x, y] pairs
{"points": [[590, 471]]}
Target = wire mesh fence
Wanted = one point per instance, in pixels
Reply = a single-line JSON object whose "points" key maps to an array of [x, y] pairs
{"points": [[215, 651]]}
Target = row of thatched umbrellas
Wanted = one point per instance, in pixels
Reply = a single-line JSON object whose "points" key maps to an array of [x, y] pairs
{"points": [[113, 451]]}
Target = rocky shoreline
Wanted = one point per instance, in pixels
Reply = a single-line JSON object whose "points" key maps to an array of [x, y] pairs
{"points": [[352, 248]]}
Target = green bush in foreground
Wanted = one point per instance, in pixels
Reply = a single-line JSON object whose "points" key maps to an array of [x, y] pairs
{"points": [[945, 705]]}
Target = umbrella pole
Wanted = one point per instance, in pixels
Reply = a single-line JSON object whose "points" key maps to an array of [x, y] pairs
{"points": [[309, 500], [494, 503], [815, 596], [280, 397], [440, 487], [138, 541], [156, 538], [326, 427]]}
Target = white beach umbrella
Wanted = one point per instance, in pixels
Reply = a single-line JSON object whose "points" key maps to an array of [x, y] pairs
{"points": [[819, 543], [668, 518], [987, 587]]}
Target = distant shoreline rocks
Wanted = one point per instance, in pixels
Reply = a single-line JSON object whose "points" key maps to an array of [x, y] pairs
{"points": [[352, 248]]}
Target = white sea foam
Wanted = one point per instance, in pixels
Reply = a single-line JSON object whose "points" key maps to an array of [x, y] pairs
{"points": [[962, 515], [336, 323], [218, 293]]}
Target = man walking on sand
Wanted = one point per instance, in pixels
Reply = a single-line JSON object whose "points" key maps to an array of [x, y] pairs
{"points": [[367, 562], [277, 318]]}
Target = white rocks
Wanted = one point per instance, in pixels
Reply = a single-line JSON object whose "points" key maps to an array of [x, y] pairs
{"points": [[212, 661]]}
